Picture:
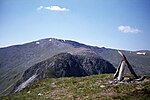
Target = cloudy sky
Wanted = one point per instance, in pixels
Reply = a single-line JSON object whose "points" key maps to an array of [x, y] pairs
{"points": [[119, 24]]}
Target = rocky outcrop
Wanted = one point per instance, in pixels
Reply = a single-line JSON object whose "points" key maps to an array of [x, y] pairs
{"points": [[65, 65]]}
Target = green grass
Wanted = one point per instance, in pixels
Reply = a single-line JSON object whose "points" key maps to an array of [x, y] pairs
{"points": [[94, 87]]}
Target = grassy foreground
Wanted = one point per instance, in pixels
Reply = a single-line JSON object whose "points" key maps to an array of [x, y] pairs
{"points": [[94, 87]]}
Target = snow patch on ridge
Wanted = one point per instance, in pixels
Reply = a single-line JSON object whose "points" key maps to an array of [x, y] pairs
{"points": [[141, 53], [37, 42], [50, 39], [26, 83]]}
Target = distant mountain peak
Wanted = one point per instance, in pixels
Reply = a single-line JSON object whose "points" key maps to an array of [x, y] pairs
{"points": [[16, 59]]}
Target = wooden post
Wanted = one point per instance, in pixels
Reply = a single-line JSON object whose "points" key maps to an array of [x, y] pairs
{"points": [[128, 64], [121, 71], [117, 71]]}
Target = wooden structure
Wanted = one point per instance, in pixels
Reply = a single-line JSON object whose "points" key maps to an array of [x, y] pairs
{"points": [[120, 70]]}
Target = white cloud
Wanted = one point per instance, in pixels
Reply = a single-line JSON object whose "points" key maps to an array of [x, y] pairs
{"points": [[39, 8], [128, 29], [56, 8], [53, 8]]}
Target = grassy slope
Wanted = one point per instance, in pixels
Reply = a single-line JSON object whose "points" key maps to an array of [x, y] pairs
{"points": [[82, 88]]}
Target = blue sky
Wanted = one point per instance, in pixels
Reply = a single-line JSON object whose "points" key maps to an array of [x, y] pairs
{"points": [[119, 24]]}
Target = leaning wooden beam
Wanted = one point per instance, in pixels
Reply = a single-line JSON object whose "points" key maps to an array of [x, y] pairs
{"points": [[117, 71], [121, 71], [128, 64]]}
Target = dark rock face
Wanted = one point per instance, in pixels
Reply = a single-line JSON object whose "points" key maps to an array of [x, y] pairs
{"points": [[67, 65], [93, 64]]}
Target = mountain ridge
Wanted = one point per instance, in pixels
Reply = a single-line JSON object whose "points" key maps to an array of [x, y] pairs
{"points": [[65, 65], [17, 59]]}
